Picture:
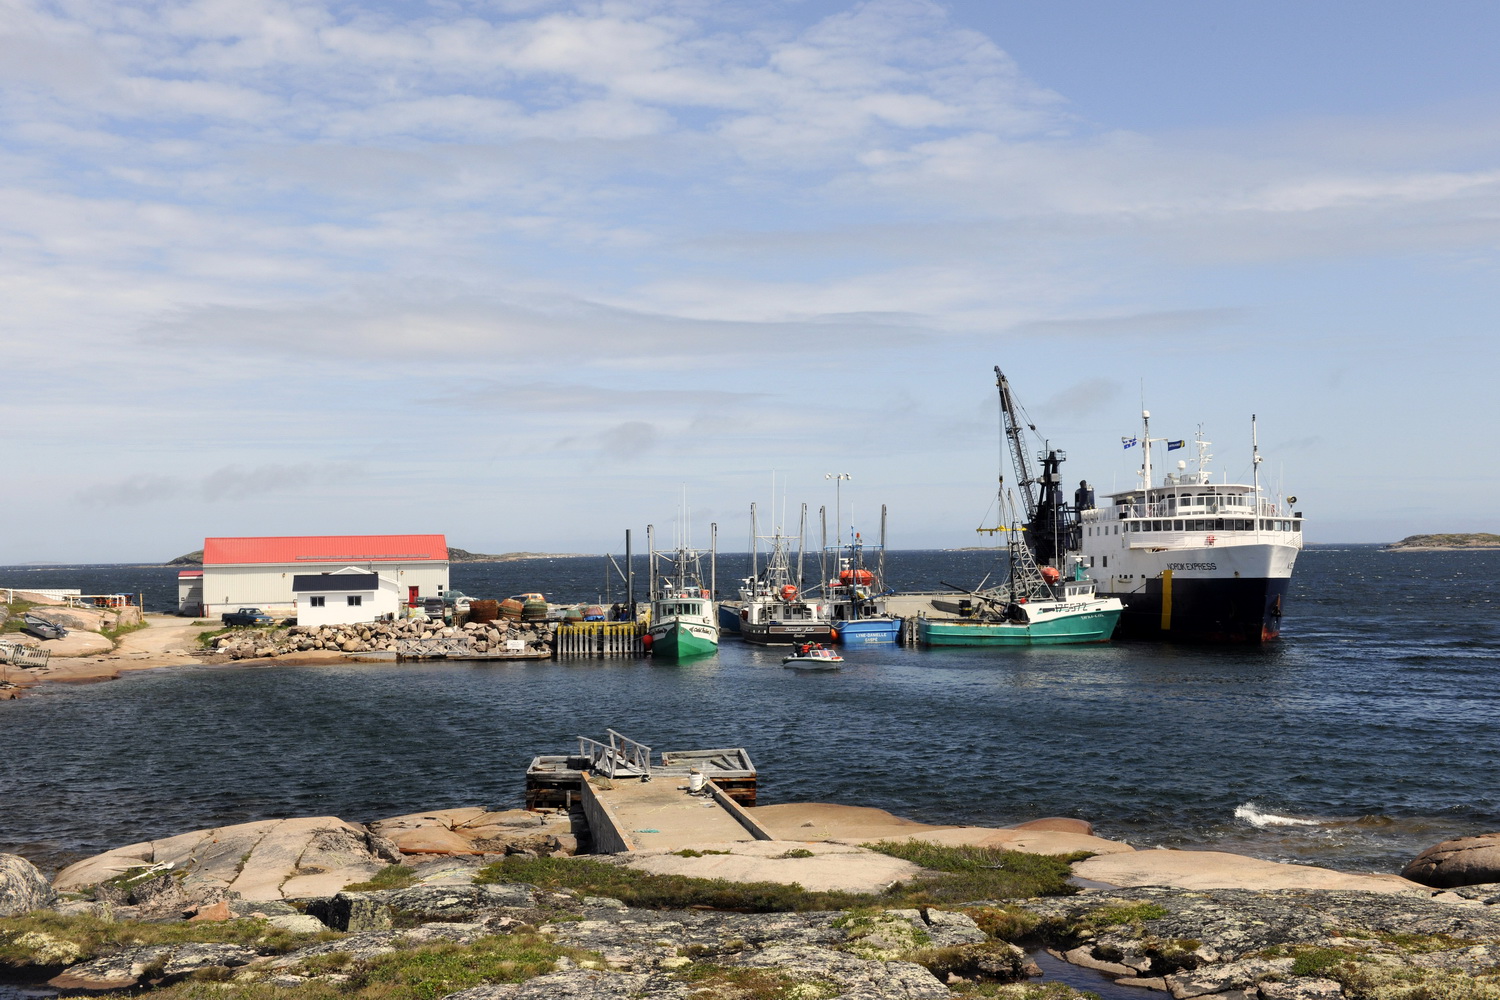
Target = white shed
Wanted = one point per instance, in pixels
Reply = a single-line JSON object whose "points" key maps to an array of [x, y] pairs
{"points": [[344, 597], [258, 572]]}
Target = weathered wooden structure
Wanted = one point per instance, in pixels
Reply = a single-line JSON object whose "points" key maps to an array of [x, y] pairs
{"points": [[600, 639], [554, 781]]}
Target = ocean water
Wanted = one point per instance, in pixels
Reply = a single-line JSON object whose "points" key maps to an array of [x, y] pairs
{"points": [[1366, 734]]}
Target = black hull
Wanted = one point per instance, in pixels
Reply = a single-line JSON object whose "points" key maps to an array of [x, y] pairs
{"points": [[786, 633], [1241, 611]]}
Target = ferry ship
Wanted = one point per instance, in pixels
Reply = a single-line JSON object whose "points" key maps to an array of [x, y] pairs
{"points": [[1192, 560]]}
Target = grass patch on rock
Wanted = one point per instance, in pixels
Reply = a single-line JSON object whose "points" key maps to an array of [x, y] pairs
{"points": [[436, 970], [15, 609], [721, 982], [961, 874], [389, 877], [42, 938], [974, 873], [1021, 991]]}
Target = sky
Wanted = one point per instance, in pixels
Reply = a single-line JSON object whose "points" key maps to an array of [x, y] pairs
{"points": [[531, 272]]}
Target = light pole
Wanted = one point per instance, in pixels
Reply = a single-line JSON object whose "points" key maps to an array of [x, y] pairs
{"points": [[838, 507]]}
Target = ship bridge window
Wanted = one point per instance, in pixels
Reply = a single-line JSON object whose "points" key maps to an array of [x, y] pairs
{"points": [[1177, 525]]}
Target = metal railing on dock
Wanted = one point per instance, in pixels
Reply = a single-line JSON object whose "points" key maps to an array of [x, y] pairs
{"points": [[621, 755], [600, 639]]}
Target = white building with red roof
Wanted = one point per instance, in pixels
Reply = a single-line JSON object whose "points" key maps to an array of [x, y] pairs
{"points": [[260, 572]]}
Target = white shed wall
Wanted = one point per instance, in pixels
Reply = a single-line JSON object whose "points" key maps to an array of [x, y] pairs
{"points": [[337, 611], [269, 585]]}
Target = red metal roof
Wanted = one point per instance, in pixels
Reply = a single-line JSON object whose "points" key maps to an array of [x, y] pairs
{"points": [[325, 549], [188, 572]]}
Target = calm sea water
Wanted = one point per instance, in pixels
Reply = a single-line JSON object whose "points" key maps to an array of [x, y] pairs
{"points": [[1368, 733]]}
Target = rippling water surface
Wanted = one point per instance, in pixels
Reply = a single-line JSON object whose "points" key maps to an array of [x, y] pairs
{"points": [[1366, 734]]}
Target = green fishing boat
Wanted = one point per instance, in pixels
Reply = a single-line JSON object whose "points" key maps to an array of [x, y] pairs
{"points": [[683, 621]]}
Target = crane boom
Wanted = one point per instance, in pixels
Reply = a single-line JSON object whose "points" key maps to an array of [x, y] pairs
{"points": [[1051, 525], [1015, 434]]}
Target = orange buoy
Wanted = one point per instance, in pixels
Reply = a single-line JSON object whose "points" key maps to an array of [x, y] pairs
{"points": [[1050, 574], [863, 577], [833, 634], [789, 593]]}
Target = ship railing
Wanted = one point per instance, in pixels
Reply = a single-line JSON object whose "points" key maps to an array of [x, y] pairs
{"points": [[621, 755]]}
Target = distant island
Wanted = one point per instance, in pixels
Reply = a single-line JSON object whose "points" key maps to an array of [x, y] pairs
{"points": [[454, 556], [1463, 540]]}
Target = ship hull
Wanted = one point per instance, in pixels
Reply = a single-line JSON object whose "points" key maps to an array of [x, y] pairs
{"points": [[789, 633], [863, 631], [1068, 629], [1244, 611], [677, 640]]}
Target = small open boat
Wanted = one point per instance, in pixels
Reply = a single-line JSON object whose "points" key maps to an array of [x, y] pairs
{"points": [[812, 657], [43, 628]]}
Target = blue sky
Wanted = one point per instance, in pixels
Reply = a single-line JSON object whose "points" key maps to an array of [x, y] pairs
{"points": [[521, 271]]}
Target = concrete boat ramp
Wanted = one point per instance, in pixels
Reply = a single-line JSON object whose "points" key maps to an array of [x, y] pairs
{"points": [[633, 802]]}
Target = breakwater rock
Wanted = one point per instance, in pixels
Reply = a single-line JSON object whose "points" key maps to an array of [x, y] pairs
{"points": [[407, 636]]}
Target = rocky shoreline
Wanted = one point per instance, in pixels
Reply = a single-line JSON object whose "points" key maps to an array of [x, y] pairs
{"points": [[474, 905]]}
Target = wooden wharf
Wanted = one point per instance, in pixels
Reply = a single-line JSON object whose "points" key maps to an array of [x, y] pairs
{"points": [[631, 803], [599, 639]]}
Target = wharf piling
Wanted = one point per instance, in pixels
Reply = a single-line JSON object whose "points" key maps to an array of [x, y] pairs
{"points": [[600, 639]]}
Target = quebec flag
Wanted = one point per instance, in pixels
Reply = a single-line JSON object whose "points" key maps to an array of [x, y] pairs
{"points": [[1128, 442], [1174, 445]]}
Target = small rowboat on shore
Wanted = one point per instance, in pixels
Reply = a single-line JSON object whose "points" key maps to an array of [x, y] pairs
{"points": [[42, 627], [813, 657]]}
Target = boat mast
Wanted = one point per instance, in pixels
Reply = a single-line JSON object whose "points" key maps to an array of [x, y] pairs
{"points": [[801, 544], [1146, 455], [754, 533], [713, 561], [881, 564], [823, 549], [1255, 464], [651, 561]]}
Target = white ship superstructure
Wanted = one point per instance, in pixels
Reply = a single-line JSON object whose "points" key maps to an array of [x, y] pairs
{"points": [[1190, 558]]}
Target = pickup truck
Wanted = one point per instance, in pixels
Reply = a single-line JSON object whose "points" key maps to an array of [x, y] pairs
{"points": [[247, 616]]}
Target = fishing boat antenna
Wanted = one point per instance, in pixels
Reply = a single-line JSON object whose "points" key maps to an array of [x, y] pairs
{"points": [[881, 564], [801, 544]]}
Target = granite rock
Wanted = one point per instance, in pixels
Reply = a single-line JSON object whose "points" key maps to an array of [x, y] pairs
{"points": [[22, 887]]}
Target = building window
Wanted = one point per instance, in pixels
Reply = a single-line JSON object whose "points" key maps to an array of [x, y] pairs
{"points": [[316, 602], [355, 600]]}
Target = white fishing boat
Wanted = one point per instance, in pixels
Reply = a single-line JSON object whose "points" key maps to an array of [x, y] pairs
{"points": [[813, 657], [772, 609]]}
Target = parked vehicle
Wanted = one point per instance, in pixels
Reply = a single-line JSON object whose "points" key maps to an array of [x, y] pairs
{"points": [[247, 616]]}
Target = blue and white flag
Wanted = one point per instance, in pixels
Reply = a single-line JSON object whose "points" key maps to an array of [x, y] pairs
{"points": [[1174, 445], [1128, 442]]}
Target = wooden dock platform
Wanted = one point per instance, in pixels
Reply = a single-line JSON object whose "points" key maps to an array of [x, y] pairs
{"points": [[632, 803]]}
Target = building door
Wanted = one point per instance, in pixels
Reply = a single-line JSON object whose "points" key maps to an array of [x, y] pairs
{"points": [[411, 597]]}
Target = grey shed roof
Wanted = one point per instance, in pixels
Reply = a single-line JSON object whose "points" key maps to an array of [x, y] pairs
{"points": [[313, 583]]}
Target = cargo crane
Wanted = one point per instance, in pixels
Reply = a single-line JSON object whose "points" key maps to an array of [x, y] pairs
{"points": [[1051, 524]]}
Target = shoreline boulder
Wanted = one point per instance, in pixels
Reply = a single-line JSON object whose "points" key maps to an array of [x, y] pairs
{"points": [[1463, 861], [22, 887]]}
